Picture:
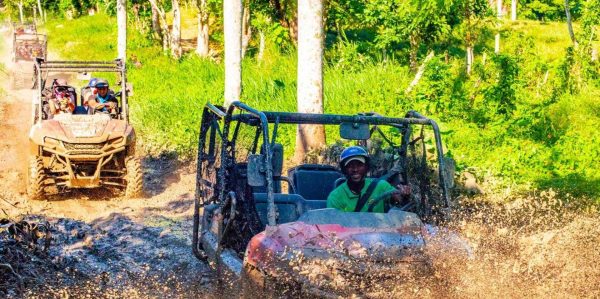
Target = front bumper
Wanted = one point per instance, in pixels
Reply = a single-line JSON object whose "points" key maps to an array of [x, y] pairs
{"points": [[84, 165]]}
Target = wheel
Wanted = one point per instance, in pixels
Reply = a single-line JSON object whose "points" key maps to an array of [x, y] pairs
{"points": [[36, 179], [134, 177], [12, 84]]}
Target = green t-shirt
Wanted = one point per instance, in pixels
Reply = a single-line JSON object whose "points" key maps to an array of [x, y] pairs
{"points": [[345, 200]]}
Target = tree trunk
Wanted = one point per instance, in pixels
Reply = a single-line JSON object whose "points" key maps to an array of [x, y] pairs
{"points": [[156, 23], [232, 27], [20, 4], [293, 27], [310, 74], [281, 15], [40, 10], [513, 10], [261, 46], [202, 47], [469, 59], [136, 13], [420, 72], [164, 28], [499, 15], [122, 29], [246, 29], [176, 31], [569, 23], [414, 49]]}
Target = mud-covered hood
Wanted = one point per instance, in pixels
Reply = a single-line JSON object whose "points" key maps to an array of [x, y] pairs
{"points": [[374, 238], [75, 128], [359, 250], [290, 240], [352, 249]]}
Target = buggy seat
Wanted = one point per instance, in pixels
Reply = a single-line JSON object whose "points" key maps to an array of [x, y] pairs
{"points": [[314, 181]]}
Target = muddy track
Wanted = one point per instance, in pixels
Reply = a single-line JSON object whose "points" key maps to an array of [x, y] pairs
{"points": [[103, 244]]}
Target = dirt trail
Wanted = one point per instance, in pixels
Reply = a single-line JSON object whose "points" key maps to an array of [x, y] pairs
{"points": [[103, 244]]}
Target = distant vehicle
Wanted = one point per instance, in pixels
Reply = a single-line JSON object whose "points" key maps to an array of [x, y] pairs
{"points": [[271, 239], [82, 148], [28, 45]]}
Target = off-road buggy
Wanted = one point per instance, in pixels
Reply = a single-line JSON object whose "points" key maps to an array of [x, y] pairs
{"points": [[80, 147], [268, 233], [28, 44]]}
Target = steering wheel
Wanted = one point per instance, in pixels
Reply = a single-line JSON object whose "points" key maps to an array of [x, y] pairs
{"points": [[387, 196], [99, 109]]}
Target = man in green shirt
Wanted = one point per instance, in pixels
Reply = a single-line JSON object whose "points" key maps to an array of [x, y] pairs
{"points": [[354, 163]]}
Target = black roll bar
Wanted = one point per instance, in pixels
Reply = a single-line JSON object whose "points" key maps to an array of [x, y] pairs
{"points": [[271, 213], [255, 117]]}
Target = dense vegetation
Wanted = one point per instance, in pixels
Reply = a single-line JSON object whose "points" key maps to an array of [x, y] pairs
{"points": [[524, 118]]}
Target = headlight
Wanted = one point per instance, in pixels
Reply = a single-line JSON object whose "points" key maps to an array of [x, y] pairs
{"points": [[51, 142], [116, 141]]}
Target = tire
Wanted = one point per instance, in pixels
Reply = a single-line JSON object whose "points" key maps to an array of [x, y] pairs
{"points": [[12, 84], [134, 177], [36, 179]]}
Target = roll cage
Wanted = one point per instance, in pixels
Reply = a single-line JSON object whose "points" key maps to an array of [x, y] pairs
{"points": [[42, 68], [216, 149]]}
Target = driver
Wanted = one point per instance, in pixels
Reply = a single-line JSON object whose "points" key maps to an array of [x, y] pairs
{"points": [[358, 192], [101, 98]]}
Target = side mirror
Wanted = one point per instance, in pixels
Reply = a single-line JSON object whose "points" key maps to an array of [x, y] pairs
{"points": [[256, 171], [355, 131]]}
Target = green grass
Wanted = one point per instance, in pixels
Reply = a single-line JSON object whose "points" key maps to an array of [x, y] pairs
{"points": [[550, 140]]}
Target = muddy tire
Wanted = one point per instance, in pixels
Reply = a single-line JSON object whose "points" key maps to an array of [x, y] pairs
{"points": [[17, 81], [36, 179], [134, 177], [12, 84]]}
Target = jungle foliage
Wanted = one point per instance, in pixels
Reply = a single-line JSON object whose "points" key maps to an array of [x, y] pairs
{"points": [[524, 118]]}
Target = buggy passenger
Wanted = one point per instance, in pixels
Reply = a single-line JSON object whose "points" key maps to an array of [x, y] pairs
{"points": [[358, 192], [61, 98]]}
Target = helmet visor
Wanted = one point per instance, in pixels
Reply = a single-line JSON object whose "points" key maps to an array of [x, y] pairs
{"points": [[355, 158]]}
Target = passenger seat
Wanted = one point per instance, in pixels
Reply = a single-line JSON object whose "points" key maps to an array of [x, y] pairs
{"points": [[314, 181]]}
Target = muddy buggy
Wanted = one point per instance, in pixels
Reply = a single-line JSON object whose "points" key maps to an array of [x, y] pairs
{"points": [[83, 148], [271, 234], [28, 45]]}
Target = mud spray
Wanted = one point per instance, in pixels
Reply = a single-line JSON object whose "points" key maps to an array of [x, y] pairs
{"points": [[534, 246]]}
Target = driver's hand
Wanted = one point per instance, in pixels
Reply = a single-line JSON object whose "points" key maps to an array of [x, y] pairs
{"points": [[111, 105], [404, 189]]}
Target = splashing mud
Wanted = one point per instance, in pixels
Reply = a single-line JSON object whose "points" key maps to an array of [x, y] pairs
{"points": [[537, 246]]}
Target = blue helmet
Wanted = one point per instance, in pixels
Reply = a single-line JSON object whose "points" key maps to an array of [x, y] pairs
{"points": [[353, 153], [93, 82]]}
